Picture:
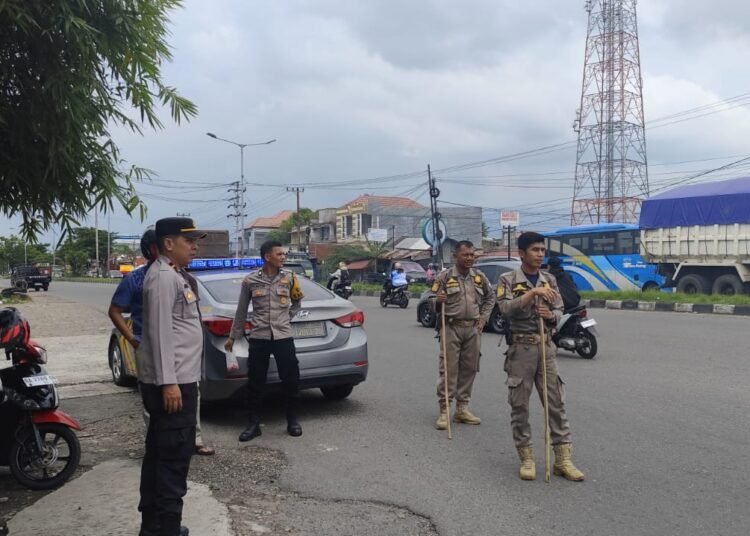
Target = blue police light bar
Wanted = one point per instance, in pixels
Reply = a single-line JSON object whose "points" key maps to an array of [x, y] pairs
{"points": [[245, 263]]}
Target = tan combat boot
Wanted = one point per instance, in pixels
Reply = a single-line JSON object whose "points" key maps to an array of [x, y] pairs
{"points": [[528, 467], [442, 420], [464, 415], [563, 464]]}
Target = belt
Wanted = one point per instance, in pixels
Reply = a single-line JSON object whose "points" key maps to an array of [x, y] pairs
{"points": [[527, 338], [463, 323]]}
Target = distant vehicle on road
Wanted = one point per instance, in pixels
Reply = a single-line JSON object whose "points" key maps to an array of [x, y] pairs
{"points": [[115, 274], [328, 334], [26, 277], [493, 270], [604, 257]]}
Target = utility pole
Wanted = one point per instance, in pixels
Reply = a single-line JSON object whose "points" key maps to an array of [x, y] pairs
{"points": [[509, 229], [393, 233], [297, 190], [437, 238], [96, 238], [236, 208], [109, 245]]}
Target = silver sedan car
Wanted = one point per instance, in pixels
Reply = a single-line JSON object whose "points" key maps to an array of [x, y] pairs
{"points": [[328, 333]]}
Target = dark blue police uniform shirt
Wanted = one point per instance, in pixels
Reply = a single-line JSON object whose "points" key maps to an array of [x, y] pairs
{"points": [[129, 296]]}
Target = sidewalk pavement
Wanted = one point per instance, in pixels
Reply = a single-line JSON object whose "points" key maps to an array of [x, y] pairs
{"points": [[104, 501]]}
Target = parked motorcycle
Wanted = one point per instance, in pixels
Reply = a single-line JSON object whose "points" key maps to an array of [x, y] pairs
{"points": [[398, 296], [576, 332], [37, 440], [344, 291]]}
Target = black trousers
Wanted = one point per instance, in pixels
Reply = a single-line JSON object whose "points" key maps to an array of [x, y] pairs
{"points": [[260, 351], [170, 442]]}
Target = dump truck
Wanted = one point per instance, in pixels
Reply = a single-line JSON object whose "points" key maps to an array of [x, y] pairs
{"points": [[698, 235]]}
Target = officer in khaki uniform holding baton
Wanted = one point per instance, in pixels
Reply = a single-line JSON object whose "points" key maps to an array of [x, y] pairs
{"points": [[276, 295], [169, 368], [466, 298], [526, 294]]}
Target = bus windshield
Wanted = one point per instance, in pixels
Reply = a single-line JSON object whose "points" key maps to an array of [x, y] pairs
{"points": [[604, 257]]}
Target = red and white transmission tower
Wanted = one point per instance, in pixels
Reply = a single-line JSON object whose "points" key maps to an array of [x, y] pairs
{"points": [[611, 169]]}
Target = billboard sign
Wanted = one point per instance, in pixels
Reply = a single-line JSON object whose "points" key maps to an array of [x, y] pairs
{"points": [[510, 218]]}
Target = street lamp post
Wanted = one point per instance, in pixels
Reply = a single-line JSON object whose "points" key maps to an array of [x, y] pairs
{"points": [[242, 182]]}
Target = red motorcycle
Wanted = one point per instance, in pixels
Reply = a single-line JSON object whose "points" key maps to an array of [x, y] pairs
{"points": [[37, 440]]}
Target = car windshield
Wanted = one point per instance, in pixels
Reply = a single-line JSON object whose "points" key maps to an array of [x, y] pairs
{"points": [[227, 289]]}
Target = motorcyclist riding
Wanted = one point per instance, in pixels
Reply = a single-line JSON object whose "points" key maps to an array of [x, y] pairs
{"points": [[340, 277], [397, 279]]}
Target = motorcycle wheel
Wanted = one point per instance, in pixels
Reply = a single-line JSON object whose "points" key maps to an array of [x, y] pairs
{"points": [[55, 465], [383, 302], [588, 349], [404, 303]]}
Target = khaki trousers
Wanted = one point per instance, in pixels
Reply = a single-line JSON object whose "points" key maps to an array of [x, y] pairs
{"points": [[523, 365], [463, 344]]}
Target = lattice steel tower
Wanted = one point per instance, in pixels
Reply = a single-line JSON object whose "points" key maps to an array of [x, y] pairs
{"points": [[611, 175]]}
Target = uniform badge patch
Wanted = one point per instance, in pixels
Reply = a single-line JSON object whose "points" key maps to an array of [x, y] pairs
{"points": [[520, 289]]}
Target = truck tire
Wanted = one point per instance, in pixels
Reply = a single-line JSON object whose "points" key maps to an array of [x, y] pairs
{"points": [[693, 284], [727, 284]]}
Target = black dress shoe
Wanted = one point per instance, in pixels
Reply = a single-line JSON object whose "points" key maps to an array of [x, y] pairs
{"points": [[155, 531], [184, 531], [252, 430]]}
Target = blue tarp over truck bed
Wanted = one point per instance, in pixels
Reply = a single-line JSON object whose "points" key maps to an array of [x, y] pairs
{"points": [[723, 202]]}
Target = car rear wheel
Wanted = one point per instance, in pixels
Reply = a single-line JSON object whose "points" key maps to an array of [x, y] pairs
{"points": [[496, 323], [337, 392], [117, 365], [426, 315]]}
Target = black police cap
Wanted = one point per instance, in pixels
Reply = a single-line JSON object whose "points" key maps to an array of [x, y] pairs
{"points": [[178, 226]]}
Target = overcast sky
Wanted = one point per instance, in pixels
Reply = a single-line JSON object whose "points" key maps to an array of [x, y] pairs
{"points": [[355, 91]]}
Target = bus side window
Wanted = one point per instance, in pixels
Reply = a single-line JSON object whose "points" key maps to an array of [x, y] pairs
{"points": [[625, 243]]}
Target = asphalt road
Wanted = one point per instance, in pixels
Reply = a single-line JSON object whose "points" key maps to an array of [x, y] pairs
{"points": [[659, 422]]}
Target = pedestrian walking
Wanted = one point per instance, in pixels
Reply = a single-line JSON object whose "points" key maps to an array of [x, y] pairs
{"points": [[275, 295], [465, 297], [128, 298], [169, 368], [526, 295]]}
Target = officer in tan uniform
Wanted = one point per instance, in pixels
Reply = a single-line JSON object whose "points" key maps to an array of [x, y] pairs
{"points": [[466, 298], [525, 295], [169, 368], [276, 295]]}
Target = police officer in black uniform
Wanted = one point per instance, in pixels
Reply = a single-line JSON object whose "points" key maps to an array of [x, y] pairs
{"points": [[169, 368]]}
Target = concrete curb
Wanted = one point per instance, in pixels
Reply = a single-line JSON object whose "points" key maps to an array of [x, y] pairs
{"points": [[699, 308], [633, 305]]}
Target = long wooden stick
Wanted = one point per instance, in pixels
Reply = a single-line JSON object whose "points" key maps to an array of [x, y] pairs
{"points": [[445, 371], [545, 397]]}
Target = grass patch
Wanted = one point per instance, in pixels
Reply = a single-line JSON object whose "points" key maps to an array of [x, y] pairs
{"points": [[15, 299], [416, 289], [669, 297], [106, 280]]}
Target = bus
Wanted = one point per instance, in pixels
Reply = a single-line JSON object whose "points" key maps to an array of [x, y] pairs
{"points": [[604, 257]]}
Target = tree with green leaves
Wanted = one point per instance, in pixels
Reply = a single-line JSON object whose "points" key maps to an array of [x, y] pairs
{"points": [[79, 249], [14, 252], [485, 230], [302, 219], [69, 71]]}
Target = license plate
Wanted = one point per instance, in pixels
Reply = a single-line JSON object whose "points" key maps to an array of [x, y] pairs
{"points": [[36, 381], [588, 323], [308, 330]]}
